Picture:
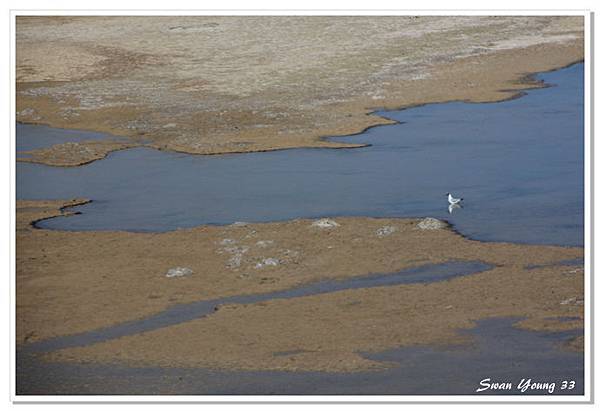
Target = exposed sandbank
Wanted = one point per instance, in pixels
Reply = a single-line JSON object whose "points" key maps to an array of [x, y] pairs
{"points": [[259, 83], [272, 89], [73, 154], [328, 332], [88, 280]]}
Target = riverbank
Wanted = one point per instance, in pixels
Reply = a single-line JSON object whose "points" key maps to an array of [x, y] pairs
{"points": [[148, 81], [261, 85], [90, 280]]}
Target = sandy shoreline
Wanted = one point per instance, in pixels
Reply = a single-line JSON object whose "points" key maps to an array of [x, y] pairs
{"points": [[130, 89], [127, 86], [89, 280]]}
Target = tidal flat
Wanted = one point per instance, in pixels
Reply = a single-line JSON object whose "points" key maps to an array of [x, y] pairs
{"points": [[212, 85], [333, 283], [76, 275]]}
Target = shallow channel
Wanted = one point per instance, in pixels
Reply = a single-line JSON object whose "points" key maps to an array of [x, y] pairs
{"points": [[518, 164]]}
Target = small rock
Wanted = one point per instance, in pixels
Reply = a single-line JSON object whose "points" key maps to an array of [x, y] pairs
{"points": [[385, 231], [267, 262], [325, 223], [430, 223], [179, 272], [170, 125], [227, 241]]}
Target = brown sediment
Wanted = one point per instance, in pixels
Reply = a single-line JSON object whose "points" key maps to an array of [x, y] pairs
{"points": [[551, 324], [89, 280], [269, 90], [331, 330], [259, 83], [73, 154], [30, 212], [575, 344]]}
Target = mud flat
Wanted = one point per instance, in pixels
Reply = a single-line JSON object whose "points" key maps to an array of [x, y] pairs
{"points": [[241, 84], [497, 348], [90, 280], [259, 84]]}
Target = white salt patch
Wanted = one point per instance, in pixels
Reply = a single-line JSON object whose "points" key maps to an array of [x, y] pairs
{"points": [[179, 272], [385, 231], [272, 262], [325, 223], [430, 223]]}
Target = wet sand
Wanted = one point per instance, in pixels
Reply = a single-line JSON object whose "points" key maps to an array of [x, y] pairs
{"points": [[181, 313], [87, 281], [496, 349], [260, 84], [148, 81]]}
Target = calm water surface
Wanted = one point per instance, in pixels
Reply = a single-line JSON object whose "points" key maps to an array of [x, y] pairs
{"points": [[518, 164]]}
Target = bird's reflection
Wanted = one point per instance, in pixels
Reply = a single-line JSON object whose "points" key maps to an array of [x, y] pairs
{"points": [[453, 207]]}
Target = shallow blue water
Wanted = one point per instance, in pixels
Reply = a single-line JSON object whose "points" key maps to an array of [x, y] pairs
{"points": [[518, 164]]}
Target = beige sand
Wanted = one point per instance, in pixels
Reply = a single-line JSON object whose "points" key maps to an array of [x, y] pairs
{"points": [[239, 84]]}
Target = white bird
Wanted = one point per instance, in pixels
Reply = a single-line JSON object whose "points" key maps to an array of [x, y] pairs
{"points": [[452, 200]]}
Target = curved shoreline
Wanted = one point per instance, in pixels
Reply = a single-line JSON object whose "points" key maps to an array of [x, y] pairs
{"points": [[87, 280], [449, 225], [506, 83], [84, 289], [538, 84], [527, 80]]}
